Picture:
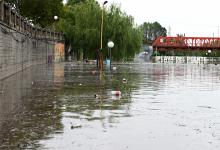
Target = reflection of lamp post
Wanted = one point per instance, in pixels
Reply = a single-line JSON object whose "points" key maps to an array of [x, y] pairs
{"points": [[209, 52], [110, 46]]}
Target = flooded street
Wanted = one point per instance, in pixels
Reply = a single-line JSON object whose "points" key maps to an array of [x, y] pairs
{"points": [[70, 106]]}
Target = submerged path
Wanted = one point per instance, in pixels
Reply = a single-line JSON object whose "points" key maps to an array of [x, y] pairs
{"points": [[162, 106]]}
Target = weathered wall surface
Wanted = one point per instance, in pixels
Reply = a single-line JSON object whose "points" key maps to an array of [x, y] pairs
{"points": [[22, 44], [18, 51]]}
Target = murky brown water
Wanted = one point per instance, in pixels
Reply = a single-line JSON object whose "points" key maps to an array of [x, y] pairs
{"points": [[163, 106]]}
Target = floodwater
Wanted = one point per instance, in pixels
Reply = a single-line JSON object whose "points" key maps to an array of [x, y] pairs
{"points": [[162, 107]]}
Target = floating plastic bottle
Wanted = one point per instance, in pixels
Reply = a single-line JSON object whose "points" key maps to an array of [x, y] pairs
{"points": [[116, 93]]}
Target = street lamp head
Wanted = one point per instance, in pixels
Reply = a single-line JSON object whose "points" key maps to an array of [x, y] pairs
{"points": [[105, 2], [110, 44], [55, 17]]}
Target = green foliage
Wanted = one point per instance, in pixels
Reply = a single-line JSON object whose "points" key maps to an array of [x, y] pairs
{"points": [[73, 2], [41, 12], [152, 30], [81, 27], [82, 24], [120, 28]]}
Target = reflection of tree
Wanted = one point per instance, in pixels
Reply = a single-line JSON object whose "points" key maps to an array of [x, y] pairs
{"points": [[81, 101]]}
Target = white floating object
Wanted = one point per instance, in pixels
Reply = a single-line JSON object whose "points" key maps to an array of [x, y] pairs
{"points": [[97, 96], [94, 72], [124, 80], [114, 97], [80, 84], [114, 68], [116, 93]]}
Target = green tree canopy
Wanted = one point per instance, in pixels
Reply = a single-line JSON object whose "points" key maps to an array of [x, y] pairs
{"points": [[152, 30], [41, 12], [82, 23], [73, 2]]}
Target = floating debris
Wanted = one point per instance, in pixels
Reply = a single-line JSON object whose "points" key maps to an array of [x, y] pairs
{"points": [[97, 96], [116, 97], [181, 125], [208, 107], [75, 127], [116, 93], [94, 72], [124, 80]]}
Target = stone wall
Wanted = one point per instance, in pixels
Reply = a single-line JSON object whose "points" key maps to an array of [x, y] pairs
{"points": [[22, 44]]}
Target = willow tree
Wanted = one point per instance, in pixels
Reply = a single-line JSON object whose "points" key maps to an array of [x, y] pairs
{"points": [[120, 28], [81, 25]]}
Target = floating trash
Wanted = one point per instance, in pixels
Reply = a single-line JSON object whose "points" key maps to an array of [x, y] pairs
{"points": [[75, 127], [97, 96], [115, 97], [94, 72], [116, 93], [114, 68], [124, 80]]}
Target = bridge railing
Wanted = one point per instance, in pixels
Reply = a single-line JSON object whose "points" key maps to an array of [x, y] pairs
{"points": [[187, 42], [9, 17]]}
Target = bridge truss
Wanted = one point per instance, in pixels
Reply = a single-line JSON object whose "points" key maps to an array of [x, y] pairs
{"points": [[186, 43]]}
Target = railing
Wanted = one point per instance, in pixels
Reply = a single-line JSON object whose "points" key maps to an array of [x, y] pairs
{"points": [[187, 42], [12, 19]]}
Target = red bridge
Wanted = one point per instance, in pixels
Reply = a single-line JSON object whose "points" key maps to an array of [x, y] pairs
{"points": [[186, 43]]}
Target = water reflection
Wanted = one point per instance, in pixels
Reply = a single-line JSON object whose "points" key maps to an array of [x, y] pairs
{"points": [[29, 108], [70, 106]]}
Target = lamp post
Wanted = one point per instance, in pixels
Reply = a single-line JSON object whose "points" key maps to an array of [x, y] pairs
{"points": [[55, 19], [105, 2], [110, 46], [101, 33]]}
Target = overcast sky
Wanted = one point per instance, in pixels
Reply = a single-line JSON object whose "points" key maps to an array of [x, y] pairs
{"points": [[192, 17]]}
